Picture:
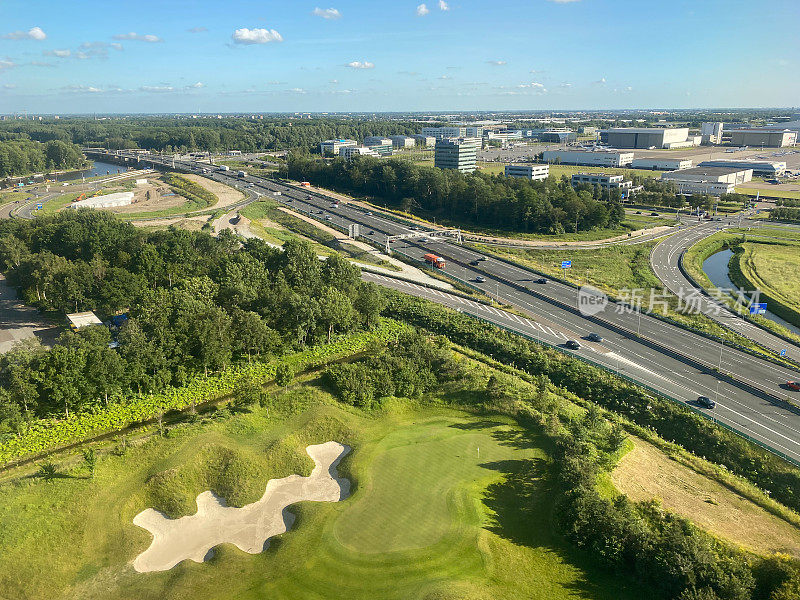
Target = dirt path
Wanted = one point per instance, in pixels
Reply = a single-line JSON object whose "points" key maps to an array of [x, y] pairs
{"points": [[249, 528], [646, 472], [226, 194]]}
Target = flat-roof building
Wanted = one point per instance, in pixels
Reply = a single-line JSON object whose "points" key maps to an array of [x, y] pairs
{"points": [[381, 145], [351, 151], [83, 319], [773, 138], [558, 136], [443, 133], [532, 172], [649, 137], [714, 181], [588, 158], [711, 133], [605, 181], [333, 146], [402, 141], [459, 154], [662, 164], [424, 140], [105, 201], [760, 167]]}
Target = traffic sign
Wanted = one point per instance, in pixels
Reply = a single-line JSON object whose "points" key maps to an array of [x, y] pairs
{"points": [[566, 264], [39, 206], [783, 352], [758, 308]]}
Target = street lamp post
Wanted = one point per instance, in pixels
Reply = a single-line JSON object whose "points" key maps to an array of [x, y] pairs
{"points": [[721, 346]]}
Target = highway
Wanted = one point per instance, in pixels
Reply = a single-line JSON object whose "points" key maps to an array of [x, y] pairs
{"points": [[750, 392]]}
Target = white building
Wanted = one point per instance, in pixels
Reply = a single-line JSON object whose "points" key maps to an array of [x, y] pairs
{"points": [[334, 146], [105, 201], [532, 172], [764, 136], [605, 181], [504, 136], [350, 151], [424, 140], [711, 134], [713, 181], [377, 140], [588, 158], [443, 133], [649, 137], [402, 141], [459, 154], [662, 164], [473, 132], [765, 168]]}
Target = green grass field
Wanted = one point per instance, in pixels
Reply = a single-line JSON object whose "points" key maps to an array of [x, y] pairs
{"points": [[444, 506], [774, 269], [778, 193]]}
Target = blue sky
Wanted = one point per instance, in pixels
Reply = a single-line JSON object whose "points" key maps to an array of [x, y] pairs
{"points": [[394, 55]]}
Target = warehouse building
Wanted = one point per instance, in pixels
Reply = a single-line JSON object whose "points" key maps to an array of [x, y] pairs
{"points": [[606, 182], [762, 168], [711, 134], [459, 154], [588, 158], [558, 136], [105, 201], [767, 137], [444, 133], [424, 140], [351, 151], [531, 172], [649, 137], [333, 146], [714, 181], [662, 164], [402, 141]]}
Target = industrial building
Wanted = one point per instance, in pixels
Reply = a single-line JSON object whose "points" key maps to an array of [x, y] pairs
{"points": [[351, 151], [762, 168], [105, 201], [424, 140], [504, 136], [588, 158], [558, 136], [402, 141], [649, 137], [605, 181], [381, 145], [711, 134], [459, 154], [443, 133], [713, 181], [473, 132], [333, 146], [587, 130], [764, 136], [531, 172], [662, 164]]}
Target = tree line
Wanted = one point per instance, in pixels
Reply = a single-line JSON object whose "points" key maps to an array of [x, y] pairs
{"points": [[22, 156], [785, 213], [476, 200], [194, 304]]}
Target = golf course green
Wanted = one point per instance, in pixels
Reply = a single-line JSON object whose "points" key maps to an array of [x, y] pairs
{"points": [[444, 505]]}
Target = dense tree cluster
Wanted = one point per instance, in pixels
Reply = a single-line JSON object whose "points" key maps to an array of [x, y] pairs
{"points": [[22, 156], [784, 213], [477, 199], [195, 303], [205, 133]]}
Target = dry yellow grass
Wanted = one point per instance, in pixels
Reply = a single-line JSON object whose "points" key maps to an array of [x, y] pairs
{"points": [[646, 473]]}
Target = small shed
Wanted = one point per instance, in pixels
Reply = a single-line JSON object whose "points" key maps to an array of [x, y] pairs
{"points": [[83, 319]]}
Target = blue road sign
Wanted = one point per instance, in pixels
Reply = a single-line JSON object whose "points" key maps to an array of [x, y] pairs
{"points": [[783, 352], [566, 264], [38, 207], [758, 308]]}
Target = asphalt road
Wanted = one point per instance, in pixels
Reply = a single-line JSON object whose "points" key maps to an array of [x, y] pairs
{"points": [[749, 391]]}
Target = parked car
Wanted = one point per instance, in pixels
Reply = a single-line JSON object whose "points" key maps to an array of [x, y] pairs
{"points": [[706, 402], [594, 337], [572, 345]]}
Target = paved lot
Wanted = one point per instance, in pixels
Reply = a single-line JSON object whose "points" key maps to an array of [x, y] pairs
{"points": [[19, 322]]}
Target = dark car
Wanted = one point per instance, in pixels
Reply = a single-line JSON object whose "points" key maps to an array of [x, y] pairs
{"points": [[541, 280], [481, 258], [370, 233], [638, 212], [793, 385], [572, 345], [594, 337], [480, 279], [653, 214], [706, 402], [474, 262]]}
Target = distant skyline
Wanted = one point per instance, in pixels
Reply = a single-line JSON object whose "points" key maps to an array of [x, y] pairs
{"points": [[351, 55]]}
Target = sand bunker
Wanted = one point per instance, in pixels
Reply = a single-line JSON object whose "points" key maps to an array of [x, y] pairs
{"points": [[248, 528]]}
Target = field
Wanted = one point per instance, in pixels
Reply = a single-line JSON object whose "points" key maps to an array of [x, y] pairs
{"points": [[775, 270], [445, 505]]}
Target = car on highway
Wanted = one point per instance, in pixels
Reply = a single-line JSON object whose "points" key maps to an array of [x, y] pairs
{"points": [[370, 233], [653, 214], [481, 258], [594, 337], [369, 213], [327, 217], [793, 385], [572, 345], [480, 279], [706, 402], [473, 263], [541, 280]]}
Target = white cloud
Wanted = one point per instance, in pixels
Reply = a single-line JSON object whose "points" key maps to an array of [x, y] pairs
{"points": [[357, 64], [197, 29], [34, 33], [297, 90], [326, 13], [443, 5], [137, 37], [256, 36], [83, 89], [6, 63], [496, 63], [58, 53], [535, 87], [197, 85], [156, 89], [601, 81], [116, 46], [445, 77], [422, 10]]}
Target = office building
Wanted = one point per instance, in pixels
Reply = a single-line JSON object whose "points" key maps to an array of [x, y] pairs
{"points": [[587, 130], [381, 145], [504, 136], [588, 158], [402, 141], [713, 181], [351, 151], [424, 140], [605, 181], [458, 153], [711, 134], [649, 137], [762, 168], [558, 136], [765, 137], [443, 133], [662, 164], [473, 132], [532, 172], [333, 146]]}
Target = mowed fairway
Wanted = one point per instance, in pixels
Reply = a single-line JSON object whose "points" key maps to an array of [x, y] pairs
{"points": [[444, 506]]}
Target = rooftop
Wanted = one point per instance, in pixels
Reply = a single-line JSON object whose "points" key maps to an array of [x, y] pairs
{"points": [[714, 171]]}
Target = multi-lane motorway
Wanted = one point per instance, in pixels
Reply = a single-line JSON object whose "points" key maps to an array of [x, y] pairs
{"points": [[750, 392]]}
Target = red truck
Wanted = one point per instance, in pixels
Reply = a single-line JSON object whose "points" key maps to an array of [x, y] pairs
{"points": [[434, 261]]}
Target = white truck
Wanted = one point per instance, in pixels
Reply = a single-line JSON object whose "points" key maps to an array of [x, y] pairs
{"points": [[224, 168]]}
